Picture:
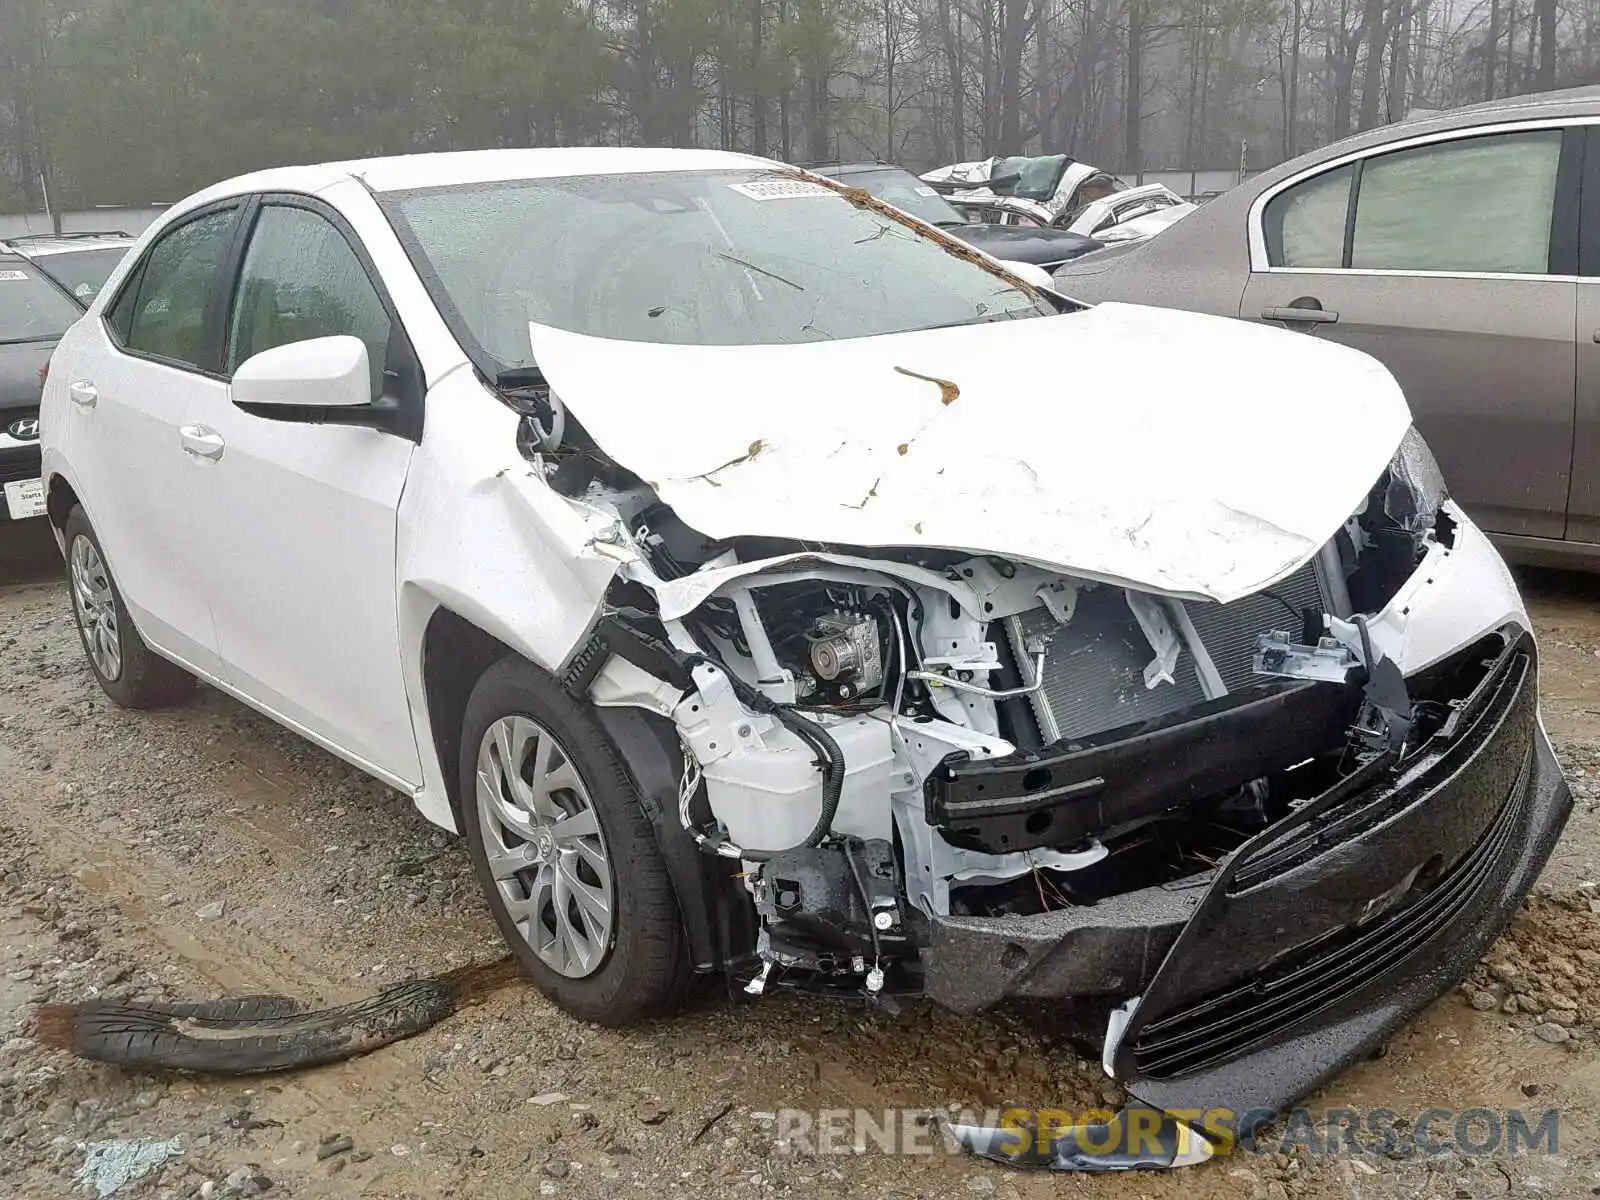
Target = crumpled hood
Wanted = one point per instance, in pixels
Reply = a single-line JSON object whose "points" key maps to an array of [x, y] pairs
{"points": [[1169, 451]]}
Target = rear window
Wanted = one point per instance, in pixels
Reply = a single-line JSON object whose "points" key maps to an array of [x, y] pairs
{"points": [[83, 272], [32, 309]]}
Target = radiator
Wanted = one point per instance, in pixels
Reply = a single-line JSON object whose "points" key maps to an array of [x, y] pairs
{"points": [[1094, 666]]}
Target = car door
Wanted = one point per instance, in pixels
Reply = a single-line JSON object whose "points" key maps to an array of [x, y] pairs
{"points": [[1453, 262], [297, 520], [1583, 504], [134, 376]]}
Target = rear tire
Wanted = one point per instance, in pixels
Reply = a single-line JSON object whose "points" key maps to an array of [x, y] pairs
{"points": [[131, 673], [564, 852]]}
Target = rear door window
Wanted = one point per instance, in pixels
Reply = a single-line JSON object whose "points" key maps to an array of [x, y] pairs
{"points": [[171, 294], [1483, 204], [1305, 224]]}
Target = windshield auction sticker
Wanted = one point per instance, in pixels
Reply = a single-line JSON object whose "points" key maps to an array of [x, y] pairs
{"points": [[780, 189]]}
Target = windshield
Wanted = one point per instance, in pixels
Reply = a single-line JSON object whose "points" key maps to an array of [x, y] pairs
{"points": [[31, 308], [722, 258], [82, 272], [907, 193]]}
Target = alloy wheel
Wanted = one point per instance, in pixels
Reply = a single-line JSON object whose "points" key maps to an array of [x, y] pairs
{"points": [[544, 846], [95, 607]]}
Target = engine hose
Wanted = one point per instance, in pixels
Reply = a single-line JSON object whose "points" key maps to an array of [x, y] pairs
{"points": [[830, 757], [832, 767]]}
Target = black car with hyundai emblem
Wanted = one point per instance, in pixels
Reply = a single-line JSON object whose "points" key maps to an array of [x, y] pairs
{"points": [[34, 312]]}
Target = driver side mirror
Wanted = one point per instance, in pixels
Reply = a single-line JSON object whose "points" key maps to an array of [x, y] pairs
{"points": [[305, 378]]}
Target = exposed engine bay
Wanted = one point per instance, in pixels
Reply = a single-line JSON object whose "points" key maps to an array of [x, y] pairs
{"points": [[882, 738]]}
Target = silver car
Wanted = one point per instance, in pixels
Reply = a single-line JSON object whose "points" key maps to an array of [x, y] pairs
{"points": [[1463, 250]]}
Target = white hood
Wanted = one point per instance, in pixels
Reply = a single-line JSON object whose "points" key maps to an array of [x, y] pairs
{"points": [[1177, 453]]}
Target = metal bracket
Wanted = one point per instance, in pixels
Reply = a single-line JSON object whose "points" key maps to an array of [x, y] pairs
{"points": [[1158, 632]]}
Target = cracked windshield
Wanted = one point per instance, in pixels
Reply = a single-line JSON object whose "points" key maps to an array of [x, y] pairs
{"points": [[694, 258]]}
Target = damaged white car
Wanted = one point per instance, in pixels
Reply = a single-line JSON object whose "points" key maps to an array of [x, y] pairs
{"points": [[1055, 191], [720, 551]]}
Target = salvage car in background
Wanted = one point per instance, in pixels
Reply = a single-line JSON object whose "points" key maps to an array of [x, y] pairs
{"points": [[1041, 247], [1463, 250], [34, 312], [695, 537], [79, 262], [1056, 192]]}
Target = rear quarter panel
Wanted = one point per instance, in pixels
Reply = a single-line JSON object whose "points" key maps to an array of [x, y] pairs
{"points": [[1200, 263]]}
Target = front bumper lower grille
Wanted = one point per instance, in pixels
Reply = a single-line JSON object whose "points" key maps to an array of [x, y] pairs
{"points": [[1317, 975], [1316, 940]]}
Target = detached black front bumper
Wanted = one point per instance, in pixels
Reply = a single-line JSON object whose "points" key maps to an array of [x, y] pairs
{"points": [[1318, 938]]}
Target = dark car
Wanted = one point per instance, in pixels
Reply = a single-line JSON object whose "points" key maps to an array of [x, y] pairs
{"points": [[1047, 248], [1462, 250], [34, 312]]}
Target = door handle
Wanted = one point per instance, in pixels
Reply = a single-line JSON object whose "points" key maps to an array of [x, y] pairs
{"points": [[1303, 316], [200, 441], [83, 393]]}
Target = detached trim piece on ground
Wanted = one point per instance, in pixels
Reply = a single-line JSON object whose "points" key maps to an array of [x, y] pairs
{"points": [[251, 1034]]}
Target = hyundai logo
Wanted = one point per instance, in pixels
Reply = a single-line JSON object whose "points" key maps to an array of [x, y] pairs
{"points": [[25, 430]]}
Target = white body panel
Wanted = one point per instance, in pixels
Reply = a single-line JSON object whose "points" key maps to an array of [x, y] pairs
{"points": [[123, 416], [1195, 488]]}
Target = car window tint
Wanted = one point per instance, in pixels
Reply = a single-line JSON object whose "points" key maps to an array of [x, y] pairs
{"points": [[1305, 224], [120, 314], [83, 272], [31, 308], [1482, 204], [301, 280], [168, 317]]}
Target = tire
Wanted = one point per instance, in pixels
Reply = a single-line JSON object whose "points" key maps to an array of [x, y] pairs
{"points": [[630, 966], [131, 673]]}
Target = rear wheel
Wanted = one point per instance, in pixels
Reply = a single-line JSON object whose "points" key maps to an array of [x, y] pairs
{"points": [[132, 674], [564, 852]]}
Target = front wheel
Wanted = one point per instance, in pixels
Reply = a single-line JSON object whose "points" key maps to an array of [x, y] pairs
{"points": [[131, 673], [564, 852]]}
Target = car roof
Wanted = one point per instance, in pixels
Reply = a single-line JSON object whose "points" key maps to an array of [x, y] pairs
{"points": [[411, 171], [39, 244], [1569, 103]]}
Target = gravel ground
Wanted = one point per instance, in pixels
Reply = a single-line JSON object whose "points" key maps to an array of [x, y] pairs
{"points": [[204, 851]]}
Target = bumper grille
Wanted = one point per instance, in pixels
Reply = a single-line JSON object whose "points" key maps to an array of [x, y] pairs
{"points": [[1324, 972], [1094, 669], [19, 465]]}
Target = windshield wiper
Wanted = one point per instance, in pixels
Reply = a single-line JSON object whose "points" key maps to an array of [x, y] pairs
{"points": [[750, 266]]}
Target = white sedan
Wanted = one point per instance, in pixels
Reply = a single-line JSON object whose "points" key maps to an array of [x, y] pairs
{"points": [[766, 584]]}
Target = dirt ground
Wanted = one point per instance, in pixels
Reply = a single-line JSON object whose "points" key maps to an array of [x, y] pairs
{"points": [[203, 851]]}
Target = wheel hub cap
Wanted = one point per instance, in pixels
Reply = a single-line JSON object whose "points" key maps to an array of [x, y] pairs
{"points": [[544, 846], [94, 607]]}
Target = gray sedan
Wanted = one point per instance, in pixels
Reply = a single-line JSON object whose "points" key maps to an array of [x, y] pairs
{"points": [[1463, 250]]}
